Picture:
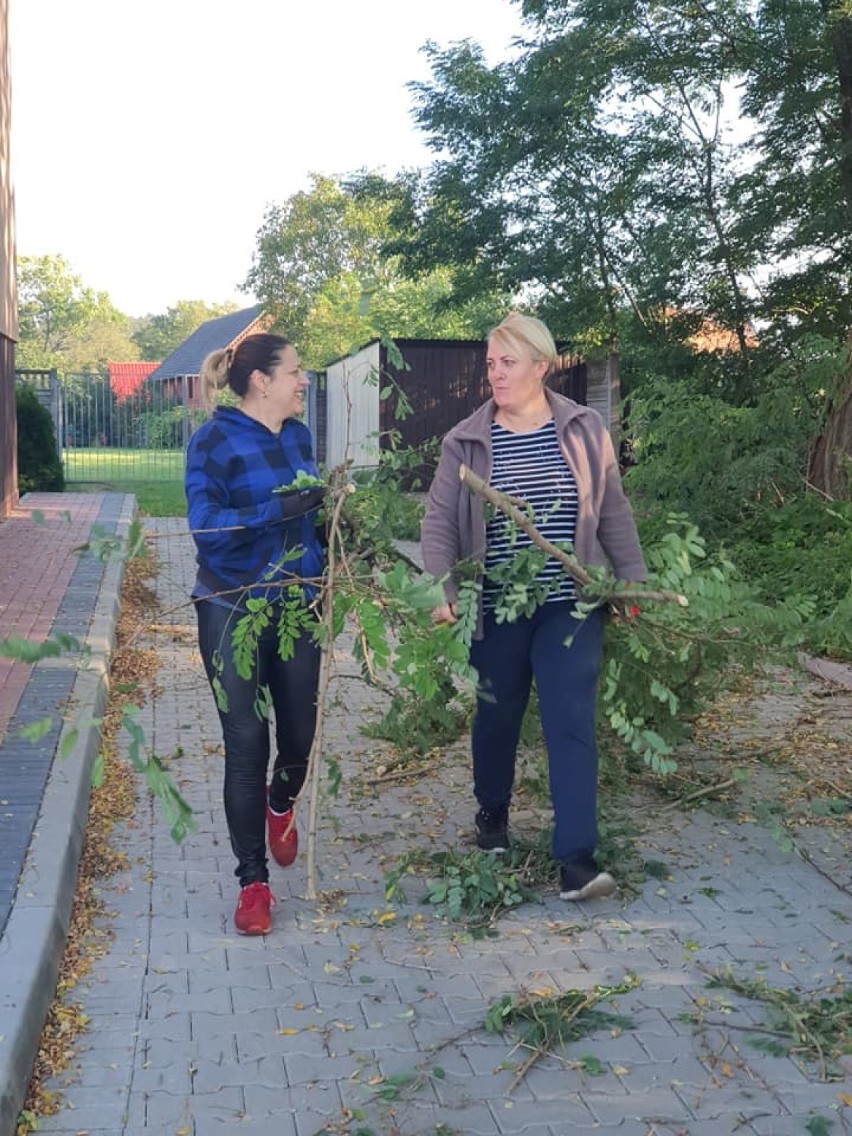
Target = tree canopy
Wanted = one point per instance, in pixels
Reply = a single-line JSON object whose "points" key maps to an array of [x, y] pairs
{"points": [[651, 159], [322, 267], [64, 324]]}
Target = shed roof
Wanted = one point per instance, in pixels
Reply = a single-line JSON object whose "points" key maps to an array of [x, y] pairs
{"points": [[214, 335], [126, 378]]}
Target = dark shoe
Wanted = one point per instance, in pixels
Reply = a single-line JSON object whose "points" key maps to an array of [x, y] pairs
{"points": [[492, 830], [282, 835], [581, 879], [253, 916]]}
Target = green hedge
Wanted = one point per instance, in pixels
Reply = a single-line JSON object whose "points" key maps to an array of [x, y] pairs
{"points": [[39, 465]]}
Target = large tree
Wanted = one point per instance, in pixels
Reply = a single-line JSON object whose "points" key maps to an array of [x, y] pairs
{"points": [[323, 269], [64, 324], [650, 157]]}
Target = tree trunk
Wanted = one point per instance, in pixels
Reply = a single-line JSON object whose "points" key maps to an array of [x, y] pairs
{"points": [[830, 465]]}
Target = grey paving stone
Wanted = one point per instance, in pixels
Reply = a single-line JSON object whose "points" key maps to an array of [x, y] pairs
{"points": [[222, 1007], [163, 1003], [658, 1104]]}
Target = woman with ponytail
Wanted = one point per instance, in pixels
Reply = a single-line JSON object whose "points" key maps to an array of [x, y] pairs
{"points": [[256, 537]]}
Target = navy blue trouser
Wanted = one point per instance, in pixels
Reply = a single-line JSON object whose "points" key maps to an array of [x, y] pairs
{"points": [[292, 686], [507, 659]]}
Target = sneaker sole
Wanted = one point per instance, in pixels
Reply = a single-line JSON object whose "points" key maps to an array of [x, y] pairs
{"points": [[601, 886], [256, 929]]}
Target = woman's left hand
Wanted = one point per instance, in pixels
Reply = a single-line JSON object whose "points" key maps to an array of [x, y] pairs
{"points": [[446, 613]]}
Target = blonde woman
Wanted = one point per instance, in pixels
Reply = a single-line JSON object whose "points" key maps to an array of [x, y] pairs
{"points": [[257, 537], [556, 455]]}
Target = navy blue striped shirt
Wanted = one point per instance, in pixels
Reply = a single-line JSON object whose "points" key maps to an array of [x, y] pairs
{"points": [[233, 466], [531, 466]]}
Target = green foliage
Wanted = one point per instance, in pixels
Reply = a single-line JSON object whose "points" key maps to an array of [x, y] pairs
{"points": [[721, 464], [804, 546], [471, 887], [416, 725], [666, 665], [321, 266], [302, 480], [815, 1028], [547, 1023], [384, 508], [39, 466], [30, 651], [176, 811], [292, 619], [64, 324]]}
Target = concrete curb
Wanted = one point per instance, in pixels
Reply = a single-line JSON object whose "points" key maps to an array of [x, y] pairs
{"points": [[36, 933]]}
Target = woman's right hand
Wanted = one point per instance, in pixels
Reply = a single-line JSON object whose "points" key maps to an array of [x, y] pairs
{"points": [[446, 613]]}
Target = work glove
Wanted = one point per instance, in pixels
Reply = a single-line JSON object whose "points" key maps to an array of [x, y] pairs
{"points": [[297, 502]]}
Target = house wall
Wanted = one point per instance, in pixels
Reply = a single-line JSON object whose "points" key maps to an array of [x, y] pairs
{"points": [[352, 409], [8, 295]]}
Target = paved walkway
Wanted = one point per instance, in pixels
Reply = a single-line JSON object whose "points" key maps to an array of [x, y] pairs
{"points": [[47, 588], [359, 1015]]}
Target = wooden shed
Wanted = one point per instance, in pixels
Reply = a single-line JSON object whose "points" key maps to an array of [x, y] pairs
{"points": [[443, 381]]}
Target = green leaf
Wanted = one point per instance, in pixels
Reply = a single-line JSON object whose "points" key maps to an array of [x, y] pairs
{"points": [[35, 731], [98, 770], [69, 741]]}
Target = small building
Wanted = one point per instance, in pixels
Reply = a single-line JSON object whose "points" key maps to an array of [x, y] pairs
{"points": [[367, 400], [178, 373], [125, 379]]}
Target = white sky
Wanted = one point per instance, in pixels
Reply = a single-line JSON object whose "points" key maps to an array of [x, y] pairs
{"points": [[148, 137]]}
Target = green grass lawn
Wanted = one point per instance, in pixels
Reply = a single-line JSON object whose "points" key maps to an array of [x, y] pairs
{"points": [[155, 477], [106, 464], [155, 498]]}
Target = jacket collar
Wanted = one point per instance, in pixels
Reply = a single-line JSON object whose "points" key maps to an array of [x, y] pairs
{"points": [[479, 423]]}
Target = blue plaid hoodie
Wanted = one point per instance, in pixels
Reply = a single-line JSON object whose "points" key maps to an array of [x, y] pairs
{"points": [[233, 465]]}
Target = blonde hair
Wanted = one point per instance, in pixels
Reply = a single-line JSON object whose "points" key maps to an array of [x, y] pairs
{"points": [[526, 335]]}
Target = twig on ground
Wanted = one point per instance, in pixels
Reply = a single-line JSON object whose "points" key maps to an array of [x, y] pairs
{"points": [[717, 787]]}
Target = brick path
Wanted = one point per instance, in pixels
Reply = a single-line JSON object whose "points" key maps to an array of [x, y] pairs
{"points": [[47, 588], [197, 1031], [37, 563]]}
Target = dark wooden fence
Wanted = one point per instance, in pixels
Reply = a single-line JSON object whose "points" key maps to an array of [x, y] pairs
{"points": [[447, 381]]}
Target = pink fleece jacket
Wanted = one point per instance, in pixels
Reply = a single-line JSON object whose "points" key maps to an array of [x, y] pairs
{"points": [[453, 529]]}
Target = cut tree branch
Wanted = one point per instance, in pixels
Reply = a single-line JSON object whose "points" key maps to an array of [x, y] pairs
{"points": [[572, 566]]}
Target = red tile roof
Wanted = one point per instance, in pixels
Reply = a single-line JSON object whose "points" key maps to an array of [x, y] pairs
{"points": [[125, 379]]}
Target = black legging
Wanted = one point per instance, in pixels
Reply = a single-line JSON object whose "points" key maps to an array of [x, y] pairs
{"points": [[292, 685]]}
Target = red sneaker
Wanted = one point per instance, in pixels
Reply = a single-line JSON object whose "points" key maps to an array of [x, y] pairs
{"points": [[283, 837], [252, 916]]}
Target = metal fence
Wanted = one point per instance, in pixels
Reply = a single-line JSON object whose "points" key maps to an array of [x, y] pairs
{"points": [[108, 436]]}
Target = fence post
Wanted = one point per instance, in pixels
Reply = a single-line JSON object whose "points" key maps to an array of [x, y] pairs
{"points": [[57, 413], [184, 398]]}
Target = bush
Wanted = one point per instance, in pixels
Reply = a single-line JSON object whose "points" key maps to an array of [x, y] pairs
{"points": [[39, 465]]}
